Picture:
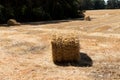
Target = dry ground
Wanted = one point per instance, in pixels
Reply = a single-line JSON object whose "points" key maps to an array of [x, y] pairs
{"points": [[25, 51]]}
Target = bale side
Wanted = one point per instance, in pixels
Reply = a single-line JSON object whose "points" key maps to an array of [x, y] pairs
{"points": [[65, 48], [87, 18], [12, 22]]}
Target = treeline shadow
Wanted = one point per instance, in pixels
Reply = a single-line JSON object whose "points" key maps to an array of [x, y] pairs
{"points": [[4, 25], [85, 61], [51, 21], [45, 22]]}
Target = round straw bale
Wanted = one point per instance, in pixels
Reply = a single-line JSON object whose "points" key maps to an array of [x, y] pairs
{"points": [[12, 22], [65, 47], [87, 18]]}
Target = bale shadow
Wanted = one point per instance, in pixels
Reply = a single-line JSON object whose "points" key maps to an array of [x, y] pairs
{"points": [[85, 61]]}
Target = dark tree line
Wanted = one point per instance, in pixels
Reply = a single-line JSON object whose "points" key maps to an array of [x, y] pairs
{"points": [[36, 10], [92, 4], [113, 4], [99, 4]]}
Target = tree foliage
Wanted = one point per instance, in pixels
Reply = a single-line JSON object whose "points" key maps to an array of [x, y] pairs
{"points": [[99, 4], [36, 10], [113, 4]]}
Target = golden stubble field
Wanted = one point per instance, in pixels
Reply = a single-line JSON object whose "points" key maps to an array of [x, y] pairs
{"points": [[25, 51]]}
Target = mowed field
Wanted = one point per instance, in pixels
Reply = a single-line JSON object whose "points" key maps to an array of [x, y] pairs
{"points": [[26, 54]]}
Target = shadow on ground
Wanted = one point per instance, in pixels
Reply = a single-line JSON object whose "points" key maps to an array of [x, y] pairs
{"points": [[51, 21], [45, 22], [85, 61], [4, 25]]}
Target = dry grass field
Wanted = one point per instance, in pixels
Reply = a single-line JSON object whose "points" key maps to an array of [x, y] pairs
{"points": [[25, 51]]}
